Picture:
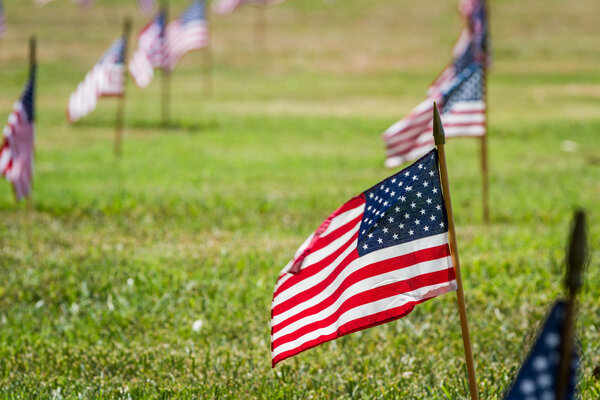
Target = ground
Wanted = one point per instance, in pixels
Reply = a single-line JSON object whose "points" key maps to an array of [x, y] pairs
{"points": [[104, 277]]}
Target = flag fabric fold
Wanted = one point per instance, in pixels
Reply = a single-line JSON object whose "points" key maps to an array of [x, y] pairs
{"points": [[459, 90], [107, 78], [538, 376], [375, 258], [224, 7], [16, 153], [149, 53], [186, 33]]}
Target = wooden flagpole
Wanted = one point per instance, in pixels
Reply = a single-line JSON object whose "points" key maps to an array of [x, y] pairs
{"points": [[576, 260], [484, 158], [120, 122], [440, 140], [32, 66], [165, 74]]}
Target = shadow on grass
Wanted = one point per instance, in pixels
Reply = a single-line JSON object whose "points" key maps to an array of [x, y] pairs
{"points": [[184, 126]]}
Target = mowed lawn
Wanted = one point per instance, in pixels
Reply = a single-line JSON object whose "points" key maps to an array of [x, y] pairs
{"points": [[103, 279]]}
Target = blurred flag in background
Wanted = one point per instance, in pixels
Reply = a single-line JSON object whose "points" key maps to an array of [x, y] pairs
{"points": [[16, 153], [149, 53]]}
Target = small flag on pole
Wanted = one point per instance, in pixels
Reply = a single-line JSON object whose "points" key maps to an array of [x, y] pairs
{"points": [[538, 376], [2, 22], [463, 113], [186, 33], [149, 54], [107, 78], [16, 154], [372, 261]]}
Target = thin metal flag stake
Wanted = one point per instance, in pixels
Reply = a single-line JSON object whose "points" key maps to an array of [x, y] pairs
{"points": [[120, 121], [32, 70], [440, 140], [166, 73], [576, 261]]}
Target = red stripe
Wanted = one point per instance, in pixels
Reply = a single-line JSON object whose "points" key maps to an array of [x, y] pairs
{"points": [[379, 268], [352, 326]]}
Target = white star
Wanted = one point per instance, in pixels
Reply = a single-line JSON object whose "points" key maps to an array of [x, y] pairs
{"points": [[371, 195], [365, 246], [377, 213], [395, 236], [370, 236], [407, 173], [376, 198], [540, 363], [419, 194], [400, 183], [420, 166], [406, 216], [387, 190], [428, 201], [393, 194], [426, 229], [369, 208], [552, 340], [380, 200], [391, 219], [381, 187], [408, 188], [434, 190], [417, 222], [425, 184], [376, 225], [544, 380], [402, 198], [363, 231], [411, 232], [441, 224], [385, 203], [527, 386], [401, 226], [433, 217], [438, 207], [397, 209], [413, 205], [422, 211], [379, 241], [385, 230], [430, 173], [394, 180], [414, 178]]}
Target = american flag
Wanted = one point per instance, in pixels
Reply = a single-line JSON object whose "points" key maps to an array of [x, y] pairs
{"points": [[375, 258], [147, 6], [186, 33], [538, 375], [107, 78], [149, 54], [2, 23], [462, 111], [16, 154], [228, 6]]}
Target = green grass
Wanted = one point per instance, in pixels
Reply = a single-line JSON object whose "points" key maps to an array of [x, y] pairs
{"points": [[101, 282]]}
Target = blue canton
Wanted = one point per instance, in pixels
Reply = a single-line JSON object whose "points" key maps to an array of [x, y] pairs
{"points": [[407, 206], [193, 13], [115, 52], [537, 378], [467, 86]]}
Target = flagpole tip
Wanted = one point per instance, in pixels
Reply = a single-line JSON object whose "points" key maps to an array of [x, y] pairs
{"points": [[438, 129], [577, 252]]}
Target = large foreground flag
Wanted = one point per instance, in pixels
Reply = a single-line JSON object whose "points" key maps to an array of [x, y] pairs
{"points": [[186, 33], [538, 376], [150, 52], [16, 154], [107, 78], [375, 258]]}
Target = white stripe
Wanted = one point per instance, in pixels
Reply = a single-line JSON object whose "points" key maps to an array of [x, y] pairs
{"points": [[343, 219], [369, 309], [475, 118], [371, 282]]}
